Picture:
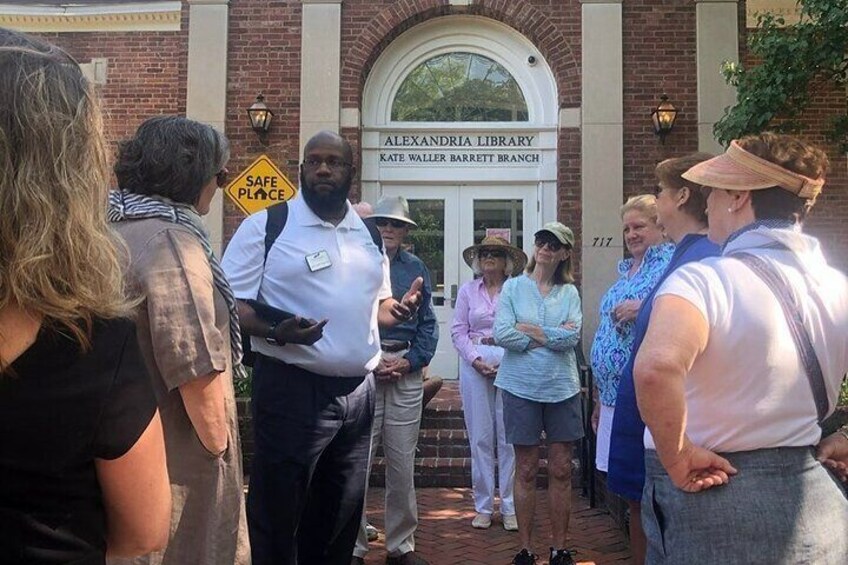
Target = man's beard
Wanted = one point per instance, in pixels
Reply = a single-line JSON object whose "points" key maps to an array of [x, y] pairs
{"points": [[325, 203]]}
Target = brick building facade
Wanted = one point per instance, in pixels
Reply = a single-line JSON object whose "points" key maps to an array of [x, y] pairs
{"points": [[599, 66]]}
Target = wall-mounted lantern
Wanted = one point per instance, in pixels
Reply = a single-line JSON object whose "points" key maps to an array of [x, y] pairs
{"points": [[663, 117], [260, 115]]}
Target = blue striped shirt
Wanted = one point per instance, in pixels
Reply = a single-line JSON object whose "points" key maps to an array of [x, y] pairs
{"points": [[542, 374]]}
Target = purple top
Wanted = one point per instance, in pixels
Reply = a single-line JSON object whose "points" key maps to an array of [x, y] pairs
{"points": [[473, 318]]}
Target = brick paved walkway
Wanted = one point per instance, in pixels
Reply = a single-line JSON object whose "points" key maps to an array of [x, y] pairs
{"points": [[445, 535]]}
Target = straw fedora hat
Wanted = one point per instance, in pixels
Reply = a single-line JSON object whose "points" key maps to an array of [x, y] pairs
{"points": [[519, 259], [393, 208]]}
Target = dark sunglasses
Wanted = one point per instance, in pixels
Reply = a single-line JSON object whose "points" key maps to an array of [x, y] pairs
{"points": [[222, 176], [384, 222], [493, 253], [553, 244]]}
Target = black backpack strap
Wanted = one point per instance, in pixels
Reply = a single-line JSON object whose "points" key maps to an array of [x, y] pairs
{"points": [[375, 233], [278, 214], [274, 224]]}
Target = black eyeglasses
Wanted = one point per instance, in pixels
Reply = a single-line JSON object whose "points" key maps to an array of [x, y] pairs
{"points": [[333, 164], [222, 176], [493, 253], [553, 244], [384, 222]]}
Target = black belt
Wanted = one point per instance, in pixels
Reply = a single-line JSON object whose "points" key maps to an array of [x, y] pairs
{"points": [[393, 346]]}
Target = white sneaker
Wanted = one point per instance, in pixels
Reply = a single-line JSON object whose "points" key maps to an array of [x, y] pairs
{"points": [[510, 522], [482, 521]]}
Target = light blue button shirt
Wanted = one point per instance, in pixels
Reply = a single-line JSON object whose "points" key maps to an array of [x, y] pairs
{"points": [[542, 374]]}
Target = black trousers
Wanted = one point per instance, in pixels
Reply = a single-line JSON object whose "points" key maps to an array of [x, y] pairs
{"points": [[309, 473]]}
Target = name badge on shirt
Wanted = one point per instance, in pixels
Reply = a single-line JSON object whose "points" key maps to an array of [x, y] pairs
{"points": [[318, 260]]}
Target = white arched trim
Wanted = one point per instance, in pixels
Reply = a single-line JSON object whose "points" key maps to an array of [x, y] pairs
{"points": [[467, 34]]}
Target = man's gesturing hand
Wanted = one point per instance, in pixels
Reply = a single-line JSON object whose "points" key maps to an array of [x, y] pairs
{"points": [[408, 305], [303, 331]]}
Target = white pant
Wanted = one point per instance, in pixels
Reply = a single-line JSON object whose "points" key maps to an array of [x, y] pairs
{"points": [[602, 443], [482, 405], [397, 419]]}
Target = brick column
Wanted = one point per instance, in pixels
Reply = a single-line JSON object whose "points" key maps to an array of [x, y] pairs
{"points": [[206, 97], [602, 163], [717, 42], [320, 68]]}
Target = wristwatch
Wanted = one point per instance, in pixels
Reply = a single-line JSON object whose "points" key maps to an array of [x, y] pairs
{"points": [[269, 336]]}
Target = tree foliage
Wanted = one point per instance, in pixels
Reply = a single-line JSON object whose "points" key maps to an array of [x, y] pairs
{"points": [[792, 59]]}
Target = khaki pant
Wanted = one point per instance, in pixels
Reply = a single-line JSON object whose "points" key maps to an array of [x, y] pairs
{"points": [[397, 419]]}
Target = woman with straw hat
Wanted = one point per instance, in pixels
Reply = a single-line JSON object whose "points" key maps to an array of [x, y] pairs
{"points": [[493, 260], [742, 360]]}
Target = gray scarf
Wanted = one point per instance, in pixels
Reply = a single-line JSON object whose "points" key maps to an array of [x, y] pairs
{"points": [[125, 205]]}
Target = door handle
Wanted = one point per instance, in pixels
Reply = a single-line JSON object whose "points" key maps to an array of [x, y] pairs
{"points": [[453, 293]]}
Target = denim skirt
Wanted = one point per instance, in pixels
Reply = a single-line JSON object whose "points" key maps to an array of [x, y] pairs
{"points": [[782, 507]]}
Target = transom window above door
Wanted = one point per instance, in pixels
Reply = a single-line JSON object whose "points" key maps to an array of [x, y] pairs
{"points": [[459, 87]]}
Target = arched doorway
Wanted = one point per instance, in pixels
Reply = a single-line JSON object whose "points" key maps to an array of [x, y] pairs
{"points": [[460, 117]]}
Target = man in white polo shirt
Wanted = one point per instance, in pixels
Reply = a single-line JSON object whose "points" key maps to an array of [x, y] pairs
{"points": [[312, 401]]}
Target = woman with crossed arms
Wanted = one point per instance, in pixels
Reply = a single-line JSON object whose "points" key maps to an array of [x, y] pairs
{"points": [[538, 324]]}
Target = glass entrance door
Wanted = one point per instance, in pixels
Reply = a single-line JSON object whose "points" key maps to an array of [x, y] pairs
{"points": [[451, 218]]}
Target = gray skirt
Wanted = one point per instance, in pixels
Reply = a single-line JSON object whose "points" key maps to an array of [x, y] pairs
{"points": [[783, 507]]}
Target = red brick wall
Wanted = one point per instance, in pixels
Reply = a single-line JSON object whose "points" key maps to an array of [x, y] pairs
{"points": [[659, 57], [146, 72], [828, 218], [264, 56]]}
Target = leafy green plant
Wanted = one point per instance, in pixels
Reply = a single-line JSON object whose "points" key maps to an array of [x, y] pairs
{"points": [[792, 60], [244, 387], [843, 395]]}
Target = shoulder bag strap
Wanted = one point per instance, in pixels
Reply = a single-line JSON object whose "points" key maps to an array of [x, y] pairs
{"points": [[800, 335], [278, 214]]}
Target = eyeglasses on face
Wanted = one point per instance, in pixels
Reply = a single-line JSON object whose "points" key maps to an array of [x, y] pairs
{"points": [[493, 253], [553, 244], [385, 222], [335, 165], [222, 176]]}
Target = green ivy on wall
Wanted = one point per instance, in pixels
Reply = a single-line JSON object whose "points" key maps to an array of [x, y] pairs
{"points": [[792, 60]]}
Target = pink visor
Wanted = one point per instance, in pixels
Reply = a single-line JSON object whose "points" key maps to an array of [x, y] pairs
{"points": [[737, 169]]}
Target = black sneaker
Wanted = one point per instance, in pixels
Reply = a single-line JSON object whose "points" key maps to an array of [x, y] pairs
{"points": [[561, 557], [524, 557]]}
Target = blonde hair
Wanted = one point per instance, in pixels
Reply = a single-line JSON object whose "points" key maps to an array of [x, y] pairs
{"points": [[59, 260], [643, 203], [564, 273]]}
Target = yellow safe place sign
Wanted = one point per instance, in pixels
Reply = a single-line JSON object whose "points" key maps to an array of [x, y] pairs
{"points": [[259, 186]]}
